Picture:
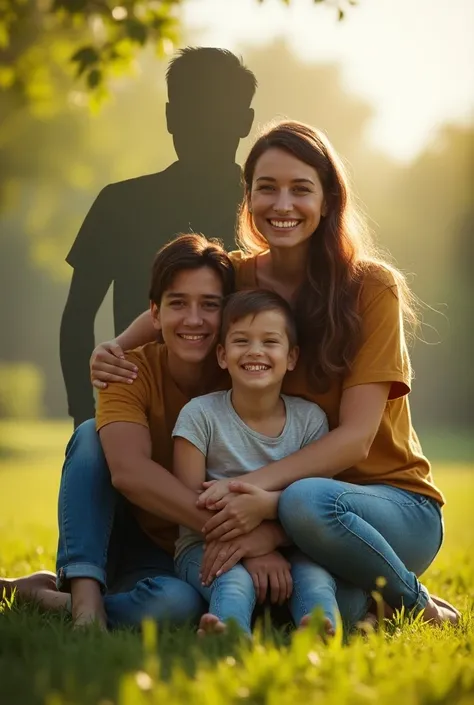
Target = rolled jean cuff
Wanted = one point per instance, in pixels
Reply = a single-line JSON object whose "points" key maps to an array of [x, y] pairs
{"points": [[80, 570], [421, 600]]}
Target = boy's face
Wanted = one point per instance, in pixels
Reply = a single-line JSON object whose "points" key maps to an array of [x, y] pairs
{"points": [[189, 314], [257, 351]]}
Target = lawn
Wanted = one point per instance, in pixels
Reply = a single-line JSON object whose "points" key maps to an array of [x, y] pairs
{"points": [[42, 660]]}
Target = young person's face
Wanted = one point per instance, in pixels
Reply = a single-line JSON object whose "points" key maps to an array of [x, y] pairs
{"points": [[189, 314], [257, 351], [287, 199]]}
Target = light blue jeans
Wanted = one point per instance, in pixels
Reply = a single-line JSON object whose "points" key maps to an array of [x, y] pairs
{"points": [[232, 594], [100, 538], [362, 532]]}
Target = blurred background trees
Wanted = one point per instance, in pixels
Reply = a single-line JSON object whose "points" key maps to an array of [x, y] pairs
{"points": [[57, 150]]}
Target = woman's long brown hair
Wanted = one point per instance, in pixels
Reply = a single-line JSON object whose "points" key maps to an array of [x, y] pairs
{"points": [[341, 254]]}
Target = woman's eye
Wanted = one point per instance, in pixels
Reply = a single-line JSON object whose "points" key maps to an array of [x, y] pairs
{"points": [[265, 187], [301, 189]]}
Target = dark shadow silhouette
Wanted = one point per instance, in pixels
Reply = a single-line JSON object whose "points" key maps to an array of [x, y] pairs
{"points": [[208, 113]]}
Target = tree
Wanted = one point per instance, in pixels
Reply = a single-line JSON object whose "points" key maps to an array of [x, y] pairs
{"points": [[94, 40]]}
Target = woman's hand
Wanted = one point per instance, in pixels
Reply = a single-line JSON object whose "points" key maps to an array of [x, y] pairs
{"points": [[221, 556], [270, 571], [240, 511], [108, 364]]}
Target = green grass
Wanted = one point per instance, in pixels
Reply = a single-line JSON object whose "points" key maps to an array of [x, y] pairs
{"points": [[42, 660]]}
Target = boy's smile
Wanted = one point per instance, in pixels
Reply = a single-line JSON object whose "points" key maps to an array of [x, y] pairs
{"points": [[257, 351]]}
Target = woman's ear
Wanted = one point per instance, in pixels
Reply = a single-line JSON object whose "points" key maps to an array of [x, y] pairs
{"points": [[221, 359]]}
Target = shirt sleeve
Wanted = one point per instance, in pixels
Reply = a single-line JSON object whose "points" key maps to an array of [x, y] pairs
{"points": [[383, 354], [193, 425], [125, 402], [96, 246], [317, 424]]}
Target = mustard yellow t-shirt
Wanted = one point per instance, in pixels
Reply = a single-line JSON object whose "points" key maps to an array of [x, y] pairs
{"points": [[395, 457], [153, 401]]}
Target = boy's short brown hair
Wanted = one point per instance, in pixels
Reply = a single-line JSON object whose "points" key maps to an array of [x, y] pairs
{"points": [[252, 302], [190, 251]]}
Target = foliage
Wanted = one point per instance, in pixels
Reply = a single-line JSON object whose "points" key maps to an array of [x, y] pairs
{"points": [[21, 390], [43, 661], [95, 40]]}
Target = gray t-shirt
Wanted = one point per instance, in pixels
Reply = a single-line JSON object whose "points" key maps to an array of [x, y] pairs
{"points": [[232, 448]]}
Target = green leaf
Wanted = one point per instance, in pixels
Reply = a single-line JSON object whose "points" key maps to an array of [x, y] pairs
{"points": [[94, 78], [136, 30], [84, 58]]}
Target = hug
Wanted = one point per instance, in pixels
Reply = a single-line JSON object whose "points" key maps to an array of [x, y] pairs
{"points": [[255, 441]]}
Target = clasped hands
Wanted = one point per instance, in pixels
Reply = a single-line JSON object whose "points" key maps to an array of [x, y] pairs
{"points": [[241, 530], [239, 507]]}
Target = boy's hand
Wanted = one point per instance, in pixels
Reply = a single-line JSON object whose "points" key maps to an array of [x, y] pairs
{"points": [[270, 571], [213, 491], [240, 511], [221, 556]]}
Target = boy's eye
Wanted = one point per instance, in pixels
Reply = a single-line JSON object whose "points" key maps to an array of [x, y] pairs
{"points": [[239, 340], [176, 303], [271, 341], [212, 305]]}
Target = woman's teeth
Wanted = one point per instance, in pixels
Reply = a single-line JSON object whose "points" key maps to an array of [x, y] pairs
{"points": [[191, 337], [284, 223], [256, 368]]}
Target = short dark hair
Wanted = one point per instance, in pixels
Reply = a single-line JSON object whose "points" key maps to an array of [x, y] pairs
{"points": [[190, 251], [211, 65], [252, 302]]}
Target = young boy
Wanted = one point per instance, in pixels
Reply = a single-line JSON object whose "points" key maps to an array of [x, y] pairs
{"points": [[223, 434]]}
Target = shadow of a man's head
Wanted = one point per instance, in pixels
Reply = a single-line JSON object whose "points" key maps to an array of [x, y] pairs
{"points": [[208, 113]]}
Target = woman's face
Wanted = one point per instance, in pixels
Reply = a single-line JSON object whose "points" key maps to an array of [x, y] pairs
{"points": [[189, 315], [286, 200]]}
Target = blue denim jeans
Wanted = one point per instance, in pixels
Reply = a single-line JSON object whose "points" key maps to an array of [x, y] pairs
{"points": [[100, 538], [360, 533], [232, 594]]}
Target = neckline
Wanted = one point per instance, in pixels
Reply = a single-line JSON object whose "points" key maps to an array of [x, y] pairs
{"points": [[253, 432]]}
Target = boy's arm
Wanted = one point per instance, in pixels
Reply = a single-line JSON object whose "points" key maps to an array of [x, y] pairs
{"points": [[189, 464], [148, 485]]}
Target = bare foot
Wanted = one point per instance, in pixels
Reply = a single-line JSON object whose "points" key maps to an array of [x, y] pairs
{"points": [[210, 624], [447, 605], [87, 604], [27, 586], [39, 586], [437, 611], [327, 626]]}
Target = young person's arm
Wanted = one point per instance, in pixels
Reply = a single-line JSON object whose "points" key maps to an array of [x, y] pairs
{"points": [[145, 483], [189, 464]]}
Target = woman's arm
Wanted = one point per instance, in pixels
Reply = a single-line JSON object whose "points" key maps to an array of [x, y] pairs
{"points": [[108, 364], [360, 415], [139, 332]]}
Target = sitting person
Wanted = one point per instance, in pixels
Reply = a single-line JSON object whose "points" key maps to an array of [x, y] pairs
{"points": [[224, 433]]}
